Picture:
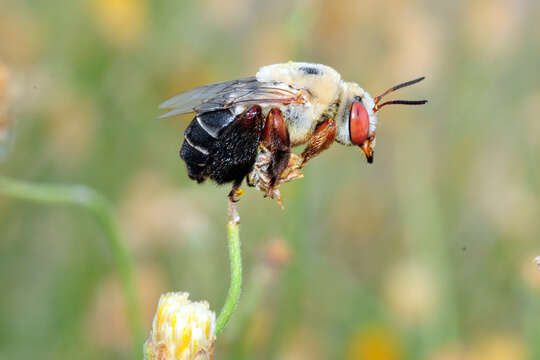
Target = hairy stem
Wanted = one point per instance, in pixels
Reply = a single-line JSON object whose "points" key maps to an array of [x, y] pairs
{"points": [[233, 240], [100, 207]]}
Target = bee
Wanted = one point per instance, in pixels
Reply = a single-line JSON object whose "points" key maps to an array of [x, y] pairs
{"points": [[246, 128]]}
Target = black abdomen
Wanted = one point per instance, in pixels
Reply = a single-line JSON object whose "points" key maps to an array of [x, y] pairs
{"points": [[221, 146]]}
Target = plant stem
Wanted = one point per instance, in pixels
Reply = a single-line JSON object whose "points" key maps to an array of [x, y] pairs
{"points": [[101, 208], [233, 240]]}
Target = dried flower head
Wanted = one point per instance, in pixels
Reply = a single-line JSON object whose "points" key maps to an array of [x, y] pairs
{"points": [[181, 330]]}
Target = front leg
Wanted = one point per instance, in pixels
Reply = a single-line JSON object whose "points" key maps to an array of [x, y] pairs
{"points": [[275, 138], [322, 138]]}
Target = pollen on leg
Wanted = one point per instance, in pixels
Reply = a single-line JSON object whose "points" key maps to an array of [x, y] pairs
{"points": [[239, 192]]}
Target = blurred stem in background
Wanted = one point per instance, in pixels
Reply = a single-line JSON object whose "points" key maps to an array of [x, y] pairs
{"points": [[100, 207], [427, 240]]}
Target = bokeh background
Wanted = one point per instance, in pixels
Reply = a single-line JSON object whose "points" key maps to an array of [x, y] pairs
{"points": [[426, 254]]}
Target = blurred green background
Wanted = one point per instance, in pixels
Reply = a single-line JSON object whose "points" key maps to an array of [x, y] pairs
{"points": [[426, 254]]}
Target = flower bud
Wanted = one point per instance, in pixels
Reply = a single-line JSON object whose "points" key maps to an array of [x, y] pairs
{"points": [[181, 330]]}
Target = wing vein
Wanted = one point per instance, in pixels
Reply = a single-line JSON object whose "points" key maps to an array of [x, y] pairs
{"points": [[227, 94]]}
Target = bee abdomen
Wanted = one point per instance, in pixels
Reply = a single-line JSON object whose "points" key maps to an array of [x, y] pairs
{"points": [[219, 147], [196, 161], [199, 145], [213, 122]]}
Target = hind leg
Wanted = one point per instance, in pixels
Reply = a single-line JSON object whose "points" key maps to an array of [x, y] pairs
{"points": [[275, 138], [236, 192], [234, 197]]}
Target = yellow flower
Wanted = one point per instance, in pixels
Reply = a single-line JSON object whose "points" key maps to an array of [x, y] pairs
{"points": [[123, 22], [499, 346], [181, 330], [374, 343], [411, 292]]}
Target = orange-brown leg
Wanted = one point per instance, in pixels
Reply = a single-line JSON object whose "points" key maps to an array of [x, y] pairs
{"points": [[275, 138], [322, 138]]}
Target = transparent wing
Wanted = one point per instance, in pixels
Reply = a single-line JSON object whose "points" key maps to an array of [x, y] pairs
{"points": [[227, 94]]}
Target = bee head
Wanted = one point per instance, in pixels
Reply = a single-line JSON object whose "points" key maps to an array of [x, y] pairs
{"points": [[362, 125], [360, 115]]}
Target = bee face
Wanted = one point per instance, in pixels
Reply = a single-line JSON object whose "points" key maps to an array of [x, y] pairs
{"points": [[360, 131], [356, 118], [356, 115]]}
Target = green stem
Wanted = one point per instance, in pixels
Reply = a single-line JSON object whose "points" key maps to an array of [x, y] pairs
{"points": [[233, 239], [100, 207]]}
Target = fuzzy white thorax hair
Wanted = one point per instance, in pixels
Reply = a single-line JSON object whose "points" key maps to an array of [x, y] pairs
{"points": [[322, 81], [323, 85]]}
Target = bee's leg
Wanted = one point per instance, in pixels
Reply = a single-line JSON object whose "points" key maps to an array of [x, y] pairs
{"points": [[234, 197], [275, 137], [236, 192], [322, 138]]}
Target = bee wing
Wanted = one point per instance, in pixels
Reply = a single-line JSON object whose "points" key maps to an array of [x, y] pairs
{"points": [[226, 94]]}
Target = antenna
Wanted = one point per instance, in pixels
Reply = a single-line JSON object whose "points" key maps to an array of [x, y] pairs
{"points": [[377, 107]]}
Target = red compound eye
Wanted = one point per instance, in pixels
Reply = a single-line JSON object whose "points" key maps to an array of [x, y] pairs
{"points": [[358, 123]]}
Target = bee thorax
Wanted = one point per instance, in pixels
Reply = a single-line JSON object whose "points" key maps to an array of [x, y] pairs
{"points": [[320, 86]]}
